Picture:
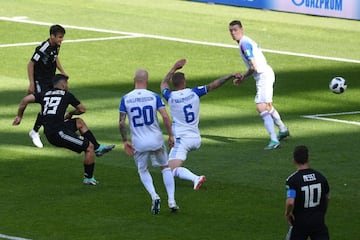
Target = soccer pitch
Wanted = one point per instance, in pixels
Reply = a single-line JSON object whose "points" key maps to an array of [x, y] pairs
{"points": [[42, 196]]}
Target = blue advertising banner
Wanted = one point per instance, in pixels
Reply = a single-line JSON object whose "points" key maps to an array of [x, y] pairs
{"points": [[349, 9]]}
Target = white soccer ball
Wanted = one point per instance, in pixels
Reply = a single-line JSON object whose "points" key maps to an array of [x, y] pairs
{"points": [[337, 85]]}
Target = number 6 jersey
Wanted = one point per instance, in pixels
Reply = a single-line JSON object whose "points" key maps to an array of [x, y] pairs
{"points": [[185, 109]]}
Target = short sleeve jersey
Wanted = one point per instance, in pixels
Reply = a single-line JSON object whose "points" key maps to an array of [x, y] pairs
{"points": [[53, 106], [141, 106], [309, 188], [185, 110], [249, 49], [44, 58]]}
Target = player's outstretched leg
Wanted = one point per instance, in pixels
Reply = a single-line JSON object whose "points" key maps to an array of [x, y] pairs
{"points": [[199, 181], [102, 149]]}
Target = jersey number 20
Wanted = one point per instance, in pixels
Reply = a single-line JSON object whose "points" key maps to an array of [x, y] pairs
{"points": [[142, 116]]}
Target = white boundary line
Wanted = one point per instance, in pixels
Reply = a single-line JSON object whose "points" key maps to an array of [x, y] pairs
{"points": [[324, 117], [24, 20], [67, 41], [12, 237]]}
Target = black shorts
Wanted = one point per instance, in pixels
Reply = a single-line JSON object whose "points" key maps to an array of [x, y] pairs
{"points": [[302, 233], [42, 87], [68, 138]]}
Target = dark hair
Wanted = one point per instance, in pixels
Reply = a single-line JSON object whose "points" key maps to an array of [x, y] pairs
{"points": [[235, 22], [59, 77], [57, 29], [178, 79], [301, 154]]}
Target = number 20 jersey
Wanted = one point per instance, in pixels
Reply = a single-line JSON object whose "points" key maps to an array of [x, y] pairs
{"points": [[311, 188], [141, 106]]}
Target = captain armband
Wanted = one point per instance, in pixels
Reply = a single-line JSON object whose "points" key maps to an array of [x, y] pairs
{"points": [[291, 193]]}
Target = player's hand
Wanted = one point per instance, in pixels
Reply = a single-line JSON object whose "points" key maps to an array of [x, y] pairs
{"points": [[129, 148], [67, 116], [16, 121], [290, 218], [171, 141], [31, 89], [239, 78], [179, 64]]}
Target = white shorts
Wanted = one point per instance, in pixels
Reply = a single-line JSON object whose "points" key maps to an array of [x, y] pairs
{"points": [[183, 146], [158, 158], [264, 87]]}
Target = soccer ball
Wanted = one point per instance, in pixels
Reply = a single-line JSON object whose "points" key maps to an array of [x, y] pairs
{"points": [[337, 85]]}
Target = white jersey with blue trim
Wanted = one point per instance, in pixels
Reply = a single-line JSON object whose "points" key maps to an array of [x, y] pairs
{"points": [[141, 106], [249, 49], [185, 110]]}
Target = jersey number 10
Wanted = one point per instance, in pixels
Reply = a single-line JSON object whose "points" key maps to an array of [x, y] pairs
{"points": [[312, 195]]}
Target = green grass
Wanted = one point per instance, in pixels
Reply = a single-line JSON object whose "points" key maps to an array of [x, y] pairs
{"points": [[41, 192]]}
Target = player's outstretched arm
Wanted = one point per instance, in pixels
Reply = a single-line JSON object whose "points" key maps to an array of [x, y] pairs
{"points": [[22, 106], [219, 82], [178, 65]]}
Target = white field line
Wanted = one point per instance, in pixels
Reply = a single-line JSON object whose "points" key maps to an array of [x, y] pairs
{"points": [[12, 237], [67, 41], [324, 117], [25, 20]]}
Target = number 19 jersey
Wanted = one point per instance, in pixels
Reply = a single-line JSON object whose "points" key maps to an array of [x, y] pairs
{"points": [[141, 106]]}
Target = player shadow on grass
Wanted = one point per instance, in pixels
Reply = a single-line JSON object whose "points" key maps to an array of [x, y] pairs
{"points": [[224, 139]]}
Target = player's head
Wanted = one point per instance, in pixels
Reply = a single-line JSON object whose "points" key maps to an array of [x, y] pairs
{"points": [[178, 80], [236, 30], [301, 154], [141, 78], [57, 29], [57, 34], [60, 81]]}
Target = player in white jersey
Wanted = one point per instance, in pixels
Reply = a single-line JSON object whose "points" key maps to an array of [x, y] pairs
{"points": [[184, 104], [142, 105], [264, 76]]}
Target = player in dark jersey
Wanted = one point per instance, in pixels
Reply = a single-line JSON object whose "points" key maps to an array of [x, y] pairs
{"points": [[41, 70], [307, 200], [60, 128]]}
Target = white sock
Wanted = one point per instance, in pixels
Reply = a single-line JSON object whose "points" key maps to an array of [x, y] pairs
{"points": [[269, 125], [184, 173], [277, 119], [169, 183], [147, 181]]}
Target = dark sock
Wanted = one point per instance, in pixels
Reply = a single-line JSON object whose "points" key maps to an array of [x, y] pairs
{"points": [[89, 170], [38, 123], [89, 136]]}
